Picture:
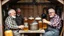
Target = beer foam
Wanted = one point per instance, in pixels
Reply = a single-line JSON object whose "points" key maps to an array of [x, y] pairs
{"points": [[37, 18], [40, 21], [31, 18], [26, 19]]}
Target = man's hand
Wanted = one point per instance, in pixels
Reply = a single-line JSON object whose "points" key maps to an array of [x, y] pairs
{"points": [[21, 26], [45, 21]]}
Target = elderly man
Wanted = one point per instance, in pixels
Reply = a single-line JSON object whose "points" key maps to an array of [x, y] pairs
{"points": [[10, 23], [54, 23], [19, 18]]}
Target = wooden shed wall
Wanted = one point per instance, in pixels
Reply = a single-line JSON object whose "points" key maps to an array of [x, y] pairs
{"points": [[31, 10]]}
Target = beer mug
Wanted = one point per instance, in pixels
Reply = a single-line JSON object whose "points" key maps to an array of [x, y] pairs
{"points": [[31, 19], [40, 24], [38, 18], [25, 19], [44, 25], [26, 26]]}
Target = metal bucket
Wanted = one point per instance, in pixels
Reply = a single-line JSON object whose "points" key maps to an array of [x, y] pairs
{"points": [[34, 26]]}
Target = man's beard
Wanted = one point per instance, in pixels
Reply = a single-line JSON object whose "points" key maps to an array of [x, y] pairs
{"points": [[13, 16], [51, 16]]}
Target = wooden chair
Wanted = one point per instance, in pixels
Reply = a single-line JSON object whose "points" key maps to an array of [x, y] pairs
{"points": [[62, 29]]}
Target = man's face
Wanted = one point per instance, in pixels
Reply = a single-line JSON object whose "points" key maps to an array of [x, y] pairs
{"points": [[19, 11], [51, 14], [13, 14]]}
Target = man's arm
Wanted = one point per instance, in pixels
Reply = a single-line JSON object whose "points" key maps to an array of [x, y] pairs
{"points": [[55, 22], [9, 23]]}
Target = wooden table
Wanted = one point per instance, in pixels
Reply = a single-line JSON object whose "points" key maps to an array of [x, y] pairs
{"points": [[32, 31]]}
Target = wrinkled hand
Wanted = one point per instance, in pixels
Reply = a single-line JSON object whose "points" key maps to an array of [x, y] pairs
{"points": [[21, 26], [44, 21]]}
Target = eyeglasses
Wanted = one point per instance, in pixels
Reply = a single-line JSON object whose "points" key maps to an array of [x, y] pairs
{"points": [[51, 12]]}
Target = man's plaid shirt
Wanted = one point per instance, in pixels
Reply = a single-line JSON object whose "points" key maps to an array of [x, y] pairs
{"points": [[55, 22], [10, 23]]}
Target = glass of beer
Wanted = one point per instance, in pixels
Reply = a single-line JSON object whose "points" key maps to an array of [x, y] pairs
{"points": [[26, 26], [31, 19], [38, 18], [25, 19], [40, 24], [44, 26]]}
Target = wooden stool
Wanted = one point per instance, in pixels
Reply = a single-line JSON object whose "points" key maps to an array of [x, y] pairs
{"points": [[8, 33]]}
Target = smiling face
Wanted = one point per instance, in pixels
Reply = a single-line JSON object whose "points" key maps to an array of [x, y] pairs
{"points": [[12, 13], [51, 12]]}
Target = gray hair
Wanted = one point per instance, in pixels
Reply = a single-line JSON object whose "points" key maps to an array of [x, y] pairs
{"points": [[11, 11], [18, 9], [51, 10]]}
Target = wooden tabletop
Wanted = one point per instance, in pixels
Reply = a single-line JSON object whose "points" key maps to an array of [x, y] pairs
{"points": [[32, 31]]}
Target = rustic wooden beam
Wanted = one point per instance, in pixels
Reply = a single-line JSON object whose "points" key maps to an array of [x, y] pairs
{"points": [[1, 31], [62, 32], [61, 1], [5, 1]]}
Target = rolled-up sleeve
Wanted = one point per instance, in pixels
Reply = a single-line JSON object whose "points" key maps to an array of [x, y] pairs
{"points": [[55, 21]]}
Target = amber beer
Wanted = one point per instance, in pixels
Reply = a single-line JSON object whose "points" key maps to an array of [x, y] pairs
{"points": [[30, 20], [26, 26], [37, 18], [25, 19], [40, 24], [44, 26]]}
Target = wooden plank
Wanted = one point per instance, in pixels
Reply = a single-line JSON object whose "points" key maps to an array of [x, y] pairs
{"points": [[5, 1], [30, 0], [1, 28], [26, 11], [40, 10], [22, 0], [35, 11], [22, 10], [62, 32], [30, 10], [61, 1], [32, 31]]}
